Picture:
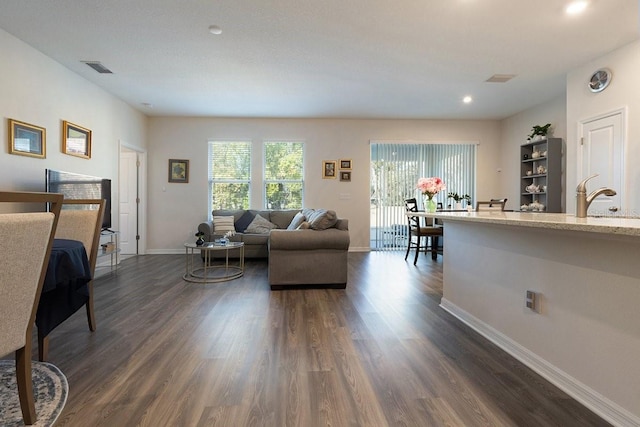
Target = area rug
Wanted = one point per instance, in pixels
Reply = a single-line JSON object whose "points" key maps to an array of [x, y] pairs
{"points": [[50, 389]]}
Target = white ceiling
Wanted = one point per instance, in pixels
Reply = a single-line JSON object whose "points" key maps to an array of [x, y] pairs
{"points": [[324, 58]]}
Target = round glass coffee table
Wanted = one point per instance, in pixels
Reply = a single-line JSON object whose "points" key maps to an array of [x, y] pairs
{"points": [[208, 272]]}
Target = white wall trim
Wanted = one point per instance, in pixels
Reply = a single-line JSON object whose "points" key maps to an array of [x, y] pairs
{"points": [[142, 193], [411, 141], [593, 400], [624, 112], [181, 251]]}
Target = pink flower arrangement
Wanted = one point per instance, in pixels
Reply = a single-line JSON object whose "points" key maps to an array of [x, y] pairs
{"points": [[430, 186]]}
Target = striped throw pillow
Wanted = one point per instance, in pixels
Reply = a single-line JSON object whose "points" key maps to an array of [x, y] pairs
{"points": [[222, 224]]}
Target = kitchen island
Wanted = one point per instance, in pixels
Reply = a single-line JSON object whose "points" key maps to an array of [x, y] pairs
{"points": [[583, 334]]}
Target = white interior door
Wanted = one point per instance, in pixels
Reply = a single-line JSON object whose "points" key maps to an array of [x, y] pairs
{"points": [[128, 202], [602, 145]]}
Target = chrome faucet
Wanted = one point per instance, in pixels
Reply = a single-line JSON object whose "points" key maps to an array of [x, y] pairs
{"points": [[583, 201]]}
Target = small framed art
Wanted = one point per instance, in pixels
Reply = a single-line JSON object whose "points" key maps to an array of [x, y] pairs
{"points": [[328, 169], [178, 170], [345, 175], [26, 139], [345, 164], [76, 140]]}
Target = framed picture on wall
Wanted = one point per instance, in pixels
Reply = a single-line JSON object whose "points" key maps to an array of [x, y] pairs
{"points": [[345, 164], [26, 139], [328, 169], [179, 170], [76, 140], [345, 175]]}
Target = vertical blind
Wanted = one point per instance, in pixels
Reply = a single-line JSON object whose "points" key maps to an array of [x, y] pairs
{"points": [[395, 170]]}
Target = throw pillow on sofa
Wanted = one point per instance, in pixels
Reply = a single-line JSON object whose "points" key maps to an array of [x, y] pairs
{"points": [[222, 224], [243, 222], [260, 225], [321, 219], [296, 221]]}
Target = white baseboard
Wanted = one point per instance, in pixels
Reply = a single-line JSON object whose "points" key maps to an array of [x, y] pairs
{"points": [[165, 251], [590, 398], [181, 251]]}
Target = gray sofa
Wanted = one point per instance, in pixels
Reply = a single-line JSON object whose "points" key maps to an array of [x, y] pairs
{"points": [[255, 245], [297, 258]]}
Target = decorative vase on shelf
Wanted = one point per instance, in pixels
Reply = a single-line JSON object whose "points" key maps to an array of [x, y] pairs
{"points": [[458, 206], [429, 205]]}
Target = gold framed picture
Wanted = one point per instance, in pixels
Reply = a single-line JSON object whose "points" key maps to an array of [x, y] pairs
{"points": [[27, 140], [179, 170], [345, 176], [328, 169], [76, 140], [345, 164]]}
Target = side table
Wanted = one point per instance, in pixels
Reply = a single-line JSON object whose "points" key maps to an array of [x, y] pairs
{"points": [[210, 273]]}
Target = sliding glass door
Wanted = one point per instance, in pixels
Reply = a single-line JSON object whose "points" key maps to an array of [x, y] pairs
{"points": [[395, 169]]}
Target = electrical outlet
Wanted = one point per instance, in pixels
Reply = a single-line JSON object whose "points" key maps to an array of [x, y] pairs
{"points": [[530, 300]]}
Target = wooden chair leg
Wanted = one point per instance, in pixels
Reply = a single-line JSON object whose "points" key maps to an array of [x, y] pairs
{"points": [[25, 385], [434, 247], [415, 259], [43, 347], [408, 246], [91, 317]]}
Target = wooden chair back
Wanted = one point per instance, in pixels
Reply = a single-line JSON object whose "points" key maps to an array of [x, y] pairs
{"points": [[26, 239], [81, 219], [491, 205], [414, 221]]}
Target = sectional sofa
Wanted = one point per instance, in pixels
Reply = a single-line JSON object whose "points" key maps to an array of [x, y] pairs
{"points": [[305, 248]]}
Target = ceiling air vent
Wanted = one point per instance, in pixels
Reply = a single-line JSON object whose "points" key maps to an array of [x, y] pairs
{"points": [[97, 65], [500, 78]]}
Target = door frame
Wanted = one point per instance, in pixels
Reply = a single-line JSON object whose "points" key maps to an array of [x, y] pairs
{"points": [[623, 112], [142, 192]]}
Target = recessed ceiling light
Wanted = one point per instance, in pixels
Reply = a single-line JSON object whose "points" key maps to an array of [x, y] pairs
{"points": [[576, 7], [214, 29], [467, 99]]}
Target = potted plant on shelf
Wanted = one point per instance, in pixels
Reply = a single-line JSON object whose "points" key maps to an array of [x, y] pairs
{"points": [[539, 132], [458, 199]]}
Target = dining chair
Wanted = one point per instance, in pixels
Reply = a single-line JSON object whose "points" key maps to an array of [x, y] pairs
{"points": [[430, 232], [26, 239], [80, 219], [491, 205]]}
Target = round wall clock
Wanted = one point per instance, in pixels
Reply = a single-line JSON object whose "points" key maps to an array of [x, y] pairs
{"points": [[600, 80]]}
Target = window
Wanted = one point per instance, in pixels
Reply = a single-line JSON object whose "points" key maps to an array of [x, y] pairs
{"points": [[395, 169], [229, 174], [283, 175]]}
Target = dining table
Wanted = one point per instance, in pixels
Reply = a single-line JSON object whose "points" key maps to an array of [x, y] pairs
{"points": [[65, 288]]}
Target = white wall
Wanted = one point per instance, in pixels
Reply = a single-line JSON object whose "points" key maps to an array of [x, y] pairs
{"points": [[37, 90], [175, 210], [624, 91], [514, 132]]}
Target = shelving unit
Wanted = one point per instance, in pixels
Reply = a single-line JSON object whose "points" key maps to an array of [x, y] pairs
{"points": [[541, 166], [109, 247]]}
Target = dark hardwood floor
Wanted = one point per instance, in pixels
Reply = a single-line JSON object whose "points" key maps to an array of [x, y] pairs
{"points": [[379, 353]]}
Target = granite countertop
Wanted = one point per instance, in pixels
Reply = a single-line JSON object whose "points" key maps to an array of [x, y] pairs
{"points": [[554, 221]]}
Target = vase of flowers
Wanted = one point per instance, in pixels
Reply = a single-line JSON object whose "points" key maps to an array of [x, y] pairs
{"points": [[429, 187]]}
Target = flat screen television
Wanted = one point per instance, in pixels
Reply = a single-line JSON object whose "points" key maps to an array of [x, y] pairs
{"points": [[78, 186]]}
